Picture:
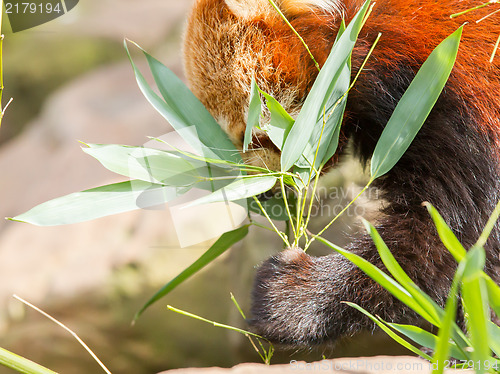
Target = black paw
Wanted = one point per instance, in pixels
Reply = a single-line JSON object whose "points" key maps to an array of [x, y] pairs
{"points": [[292, 299]]}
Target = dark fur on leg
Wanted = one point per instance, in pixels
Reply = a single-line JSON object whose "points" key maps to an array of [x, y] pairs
{"points": [[453, 164]]}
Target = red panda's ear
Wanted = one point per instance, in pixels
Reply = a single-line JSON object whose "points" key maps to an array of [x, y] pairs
{"points": [[250, 9], [294, 7]]}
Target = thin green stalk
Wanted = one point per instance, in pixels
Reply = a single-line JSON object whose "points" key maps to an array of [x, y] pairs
{"points": [[216, 324], [489, 227], [495, 49], [299, 215], [295, 32], [368, 14], [285, 201], [315, 186], [233, 299], [261, 226], [474, 8], [282, 236], [262, 356], [316, 179]]}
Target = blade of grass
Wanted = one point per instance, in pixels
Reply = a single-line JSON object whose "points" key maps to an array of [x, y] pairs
{"points": [[384, 326], [225, 242], [475, 301], [427, 339], [380, 277], [446, 235], [493, 294], [494, 332], [442, 348], [489, 227], [21, 364], [433, 311]]}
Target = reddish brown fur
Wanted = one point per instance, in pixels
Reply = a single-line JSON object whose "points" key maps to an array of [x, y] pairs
{"points": [[453, 162]]}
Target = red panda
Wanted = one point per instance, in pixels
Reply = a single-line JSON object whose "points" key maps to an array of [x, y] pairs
{"points": [[454, 162]]}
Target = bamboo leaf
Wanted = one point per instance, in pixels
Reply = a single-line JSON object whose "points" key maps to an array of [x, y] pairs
{"points": [[432, 311], [99, 202], [493, 294], [415, 106], [147, 164], [378, 276], [225, 242], [494, 332], [321, 92], [185, 112], [162, 167], [239, 189], [281, 122], [447, 236], [254, 113], [427, 339], [384, 326]]}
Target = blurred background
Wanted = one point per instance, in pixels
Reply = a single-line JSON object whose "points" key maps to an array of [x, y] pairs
{"points": [[71, 80]]}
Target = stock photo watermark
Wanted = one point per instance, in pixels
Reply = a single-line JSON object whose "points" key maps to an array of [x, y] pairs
{"points": [[385, 365], [26, 14]]}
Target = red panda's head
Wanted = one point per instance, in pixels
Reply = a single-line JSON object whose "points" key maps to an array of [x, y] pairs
{"points": [[227, 42]]}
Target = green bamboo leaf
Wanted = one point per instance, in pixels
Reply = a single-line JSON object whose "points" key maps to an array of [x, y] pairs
{"points": [[281, 122], [162, 167], [239, 189], [490, 225], [447, 236], [427, 339], [415, 105], [378, 276], [225, 242], [185, 112], [475, 301], [254, 113], [21, 364], [384, 326], [433, 312], [148, 164], [443, 348], [321, 92], [99, 202]]}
